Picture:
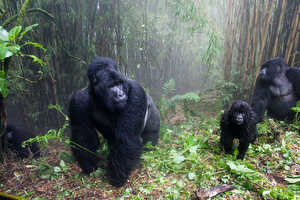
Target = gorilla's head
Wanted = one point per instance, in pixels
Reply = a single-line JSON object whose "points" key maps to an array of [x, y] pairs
{"points": [[100, 63], [10, 131], [271, 69], [240, 112], [107, 84]]}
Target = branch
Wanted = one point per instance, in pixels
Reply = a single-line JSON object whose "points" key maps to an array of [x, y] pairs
{"points": [[31, 11]]}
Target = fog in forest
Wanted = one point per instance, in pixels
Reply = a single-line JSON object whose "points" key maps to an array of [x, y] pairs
{"points": [[212, 49]]}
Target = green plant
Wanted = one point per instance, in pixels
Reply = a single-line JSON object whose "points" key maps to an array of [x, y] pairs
{"points": [[47, 171], [11, 43], [296, 123], [53, 133], [187, 100], [258, 182], [168, 88], [226, 91]]}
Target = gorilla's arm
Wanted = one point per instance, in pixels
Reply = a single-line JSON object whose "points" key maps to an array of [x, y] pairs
{"points": [[84, 136], [226, 136], [260, 100], [127, 149], [293, 74]]}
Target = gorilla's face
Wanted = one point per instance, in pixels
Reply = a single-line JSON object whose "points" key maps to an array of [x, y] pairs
{"points": [[239, 112], [10, 132], [272, 69], [110, 87]]}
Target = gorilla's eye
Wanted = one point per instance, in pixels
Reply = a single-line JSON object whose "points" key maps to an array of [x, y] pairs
{"points": [[116, 83], [263, 71]]}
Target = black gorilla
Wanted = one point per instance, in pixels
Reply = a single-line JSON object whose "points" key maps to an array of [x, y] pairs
{"points": [[15, 137], [238, 122], [277, 89], [121, 111]]}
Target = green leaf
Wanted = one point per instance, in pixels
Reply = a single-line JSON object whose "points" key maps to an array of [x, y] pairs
{"points": [[191, 176], [177, 157], [35, 44], [62, 164], [3, 87], [14, 32], [241, 169], [3, 34], [14, 49], [28, 28], [293, 179], [57, 169], [2, 74], [36, 59], [5, 52]]}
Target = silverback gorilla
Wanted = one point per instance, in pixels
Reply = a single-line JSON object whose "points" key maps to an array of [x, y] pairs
{"points": [[121, 111], [277, 89], [238, 122]]}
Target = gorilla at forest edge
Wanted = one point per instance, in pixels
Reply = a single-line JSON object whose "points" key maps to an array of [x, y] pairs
{"points": [[16, 136], [277, 89], [238, 122], [121, 111]]}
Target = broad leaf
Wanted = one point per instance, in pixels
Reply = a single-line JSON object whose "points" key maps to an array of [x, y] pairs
{"points": [[293, 179], [28, 28], [14, 49], [14, 32], [240, 169], [5, 52], [3, 34]]}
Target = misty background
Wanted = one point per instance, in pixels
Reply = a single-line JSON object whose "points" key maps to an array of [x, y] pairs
{"points": [[213, 48]]}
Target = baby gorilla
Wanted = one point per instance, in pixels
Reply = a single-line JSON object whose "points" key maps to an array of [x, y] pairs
{"points": [[238, 122]]}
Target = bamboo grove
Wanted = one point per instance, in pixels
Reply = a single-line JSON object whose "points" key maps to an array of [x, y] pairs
{"points": [[256, 31]]}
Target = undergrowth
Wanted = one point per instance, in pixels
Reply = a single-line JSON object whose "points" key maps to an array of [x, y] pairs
{"points": [[188, 157]]}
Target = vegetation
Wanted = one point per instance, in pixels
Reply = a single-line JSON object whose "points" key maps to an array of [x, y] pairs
{"points": [[187, 157]]}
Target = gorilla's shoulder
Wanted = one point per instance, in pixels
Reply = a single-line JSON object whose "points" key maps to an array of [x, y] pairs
{"points": [[80, 100], [80, 96], [293, 72], [134, 85]]}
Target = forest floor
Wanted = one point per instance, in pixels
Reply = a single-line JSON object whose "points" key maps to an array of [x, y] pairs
{"points": [[188, 157]]}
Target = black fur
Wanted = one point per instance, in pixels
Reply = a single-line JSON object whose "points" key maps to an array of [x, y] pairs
{"points": [[116, 107], [16, 136], [277, 89], [238, 122]]}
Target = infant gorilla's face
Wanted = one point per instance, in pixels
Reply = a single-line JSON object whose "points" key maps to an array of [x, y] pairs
{"points": [[239, 110], [239, 118], [110, 87]]}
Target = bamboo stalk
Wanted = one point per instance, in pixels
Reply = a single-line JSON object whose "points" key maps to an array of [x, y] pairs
{"points": [[292, 35], [295, 49], [265, 34], [274, 52], [254, 40], [228, 42], [242, 29], [245, 64]]}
